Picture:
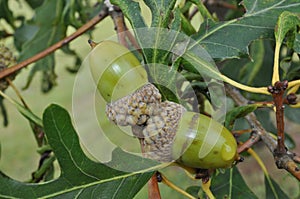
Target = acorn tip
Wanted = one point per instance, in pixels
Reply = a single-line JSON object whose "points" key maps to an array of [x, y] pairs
{"points": [[92, 43]]}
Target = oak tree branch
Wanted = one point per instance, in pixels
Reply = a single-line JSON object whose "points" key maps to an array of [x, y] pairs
{"points": [[102, 14], [285, 161]]}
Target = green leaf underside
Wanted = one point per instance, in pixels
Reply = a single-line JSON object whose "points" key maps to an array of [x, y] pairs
{"points": [[80, 177]]}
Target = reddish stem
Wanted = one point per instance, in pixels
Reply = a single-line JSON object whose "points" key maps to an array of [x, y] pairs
{"points": [[122, 30], [102, 14], [133, 40], [153, 189], [118, 19], [249, 143], [277, 92]]}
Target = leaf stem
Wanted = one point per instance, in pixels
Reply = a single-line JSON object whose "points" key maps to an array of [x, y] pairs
{"points": [[254, 138], [102, 14], [293, 89], [262, 90], [118, 19], [24, 111], [295, 105], [17, 92], [259, 161], [294, 83], [275, 77], [206, 189]]}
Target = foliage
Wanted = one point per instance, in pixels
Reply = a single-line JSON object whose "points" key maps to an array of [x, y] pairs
{"points": [[254, 44]]}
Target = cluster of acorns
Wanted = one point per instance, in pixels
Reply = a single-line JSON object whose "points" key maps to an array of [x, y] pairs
{"points": [[168, 132]]}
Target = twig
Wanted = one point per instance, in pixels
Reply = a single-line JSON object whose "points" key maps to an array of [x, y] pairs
{"points": [[12, 85], [133, 40], [254, 138], [121, 28], [45, 163], [102, 14], [118, 19], [153, 189], [277, 92], [285, 161]]}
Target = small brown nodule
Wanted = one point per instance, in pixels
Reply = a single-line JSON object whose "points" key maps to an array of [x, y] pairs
{"points": [[92, 43]]}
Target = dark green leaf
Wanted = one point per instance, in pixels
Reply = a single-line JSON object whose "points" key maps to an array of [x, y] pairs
{"points": [[252, 68], [187, 27], [49, 28], [121, 160], [80, 177], [273, 190], [238, 112], [177, 22], [231, 183], [158, 42], [155, 42], [230, 39], [161, 10]]}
